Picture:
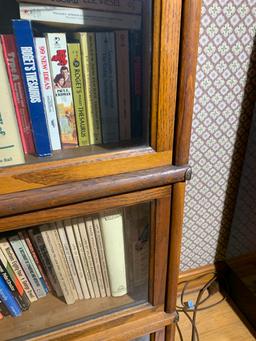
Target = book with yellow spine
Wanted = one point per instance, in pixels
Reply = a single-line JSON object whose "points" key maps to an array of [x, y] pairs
{"points": [[89, 61], [74, 53]]}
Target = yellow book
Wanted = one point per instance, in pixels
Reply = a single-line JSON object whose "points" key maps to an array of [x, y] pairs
{"points": [[89, 60], [11, 151]]}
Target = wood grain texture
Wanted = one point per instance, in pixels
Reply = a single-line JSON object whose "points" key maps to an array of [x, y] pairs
{"points": [[191, 12], [54, 196], [27, 177], [81, 209], [168, 71]]}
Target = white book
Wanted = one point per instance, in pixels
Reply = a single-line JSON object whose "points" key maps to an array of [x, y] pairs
{"points": [[113, 239], [102, 256], [89, 258], [80, 17], [69, 258], [76, 257], [47, 92], [95, 255], [16, 267], [79, 243], [39, 244], [49, 238]]}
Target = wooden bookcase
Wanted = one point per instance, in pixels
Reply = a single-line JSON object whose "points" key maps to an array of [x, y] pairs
{"points": [[37, 193]]}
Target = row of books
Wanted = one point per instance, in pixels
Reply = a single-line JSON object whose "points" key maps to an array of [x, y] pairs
{"points": [[82, 258], [59, 94]]}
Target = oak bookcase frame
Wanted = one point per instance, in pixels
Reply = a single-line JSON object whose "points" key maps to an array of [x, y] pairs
{"points": [[31, 194]]}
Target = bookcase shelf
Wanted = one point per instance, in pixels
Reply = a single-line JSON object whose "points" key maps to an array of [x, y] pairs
{"points": [[92, 179]]}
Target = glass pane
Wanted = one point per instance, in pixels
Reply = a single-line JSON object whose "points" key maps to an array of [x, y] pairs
{"points": [[78, 80], [75, 270]]}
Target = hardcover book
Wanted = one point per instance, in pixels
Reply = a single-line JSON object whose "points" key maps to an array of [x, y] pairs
{"points": [[18, 93], [7, 298], [27, 58], [74, 53], [59, 64], [11, 151], [47, 92]]}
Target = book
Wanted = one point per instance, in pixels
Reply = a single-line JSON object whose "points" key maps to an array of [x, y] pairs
{"points": [[102, 256], [79, 243], [123, 81], [1, 315], [90, 73], [106, 61], [135, 41], [88, 253], [39, 245], [113, 239], [13, 283], [29, 70], [3, 309], [47, 92], [95, 255], [12, 259], [74, 53], [7, 298], [11, 151], [59, 64], [18, 93], [51, 244], [69, 257], [79, 17], [26, 265], [126, 6], [79, 268]]}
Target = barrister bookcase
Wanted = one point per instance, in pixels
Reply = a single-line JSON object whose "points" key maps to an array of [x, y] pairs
{"points": [[89, 180]]}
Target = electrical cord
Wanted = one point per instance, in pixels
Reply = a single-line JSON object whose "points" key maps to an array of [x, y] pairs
{"points": [[185, 308]]}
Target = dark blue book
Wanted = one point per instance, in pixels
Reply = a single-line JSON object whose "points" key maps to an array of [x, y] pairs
{"points": [[27, 58], [7, 298]]}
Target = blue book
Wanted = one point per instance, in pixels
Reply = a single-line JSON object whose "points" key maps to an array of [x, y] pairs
{"points": [[27, 58], [7, 298]]}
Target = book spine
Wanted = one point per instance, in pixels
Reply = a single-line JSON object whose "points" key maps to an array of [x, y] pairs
{"points": [[124, 6], [82, 255], [76, 72], [113, 239], [39, 245], [46, 284], [7, 298], [136, 83], [76, 257], [11, 151], [47, 92], [29, 70], [3, 309], [69, 258], [12, 259], [102, 256], [18, 94], [106, 61], [59, 64], [55, 256], [26, 265], [123, 81], [32, 261], [95, 255], [13, 283], [90, 73], [77, 16], [89, 258]]}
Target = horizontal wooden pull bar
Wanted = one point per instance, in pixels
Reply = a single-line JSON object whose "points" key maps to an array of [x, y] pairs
{"points": [[55, 196]]}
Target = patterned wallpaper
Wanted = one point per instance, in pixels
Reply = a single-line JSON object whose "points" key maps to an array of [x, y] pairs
{"points": [[224, 98]]}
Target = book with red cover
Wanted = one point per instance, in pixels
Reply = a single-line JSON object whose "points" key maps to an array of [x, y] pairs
{"points": [[18, 94]]}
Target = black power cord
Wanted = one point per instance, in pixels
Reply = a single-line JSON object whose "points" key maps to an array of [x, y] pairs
{"points": [[211, 287]]}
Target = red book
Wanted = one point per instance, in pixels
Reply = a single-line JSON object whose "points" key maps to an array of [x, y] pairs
{"points": [[18, 94]]}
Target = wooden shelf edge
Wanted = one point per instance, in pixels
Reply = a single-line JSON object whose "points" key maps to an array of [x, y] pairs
{"points": [[55, 196]]}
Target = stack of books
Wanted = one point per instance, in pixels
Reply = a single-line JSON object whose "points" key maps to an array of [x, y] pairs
{"points": [[70, 77], [75, 259]]}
